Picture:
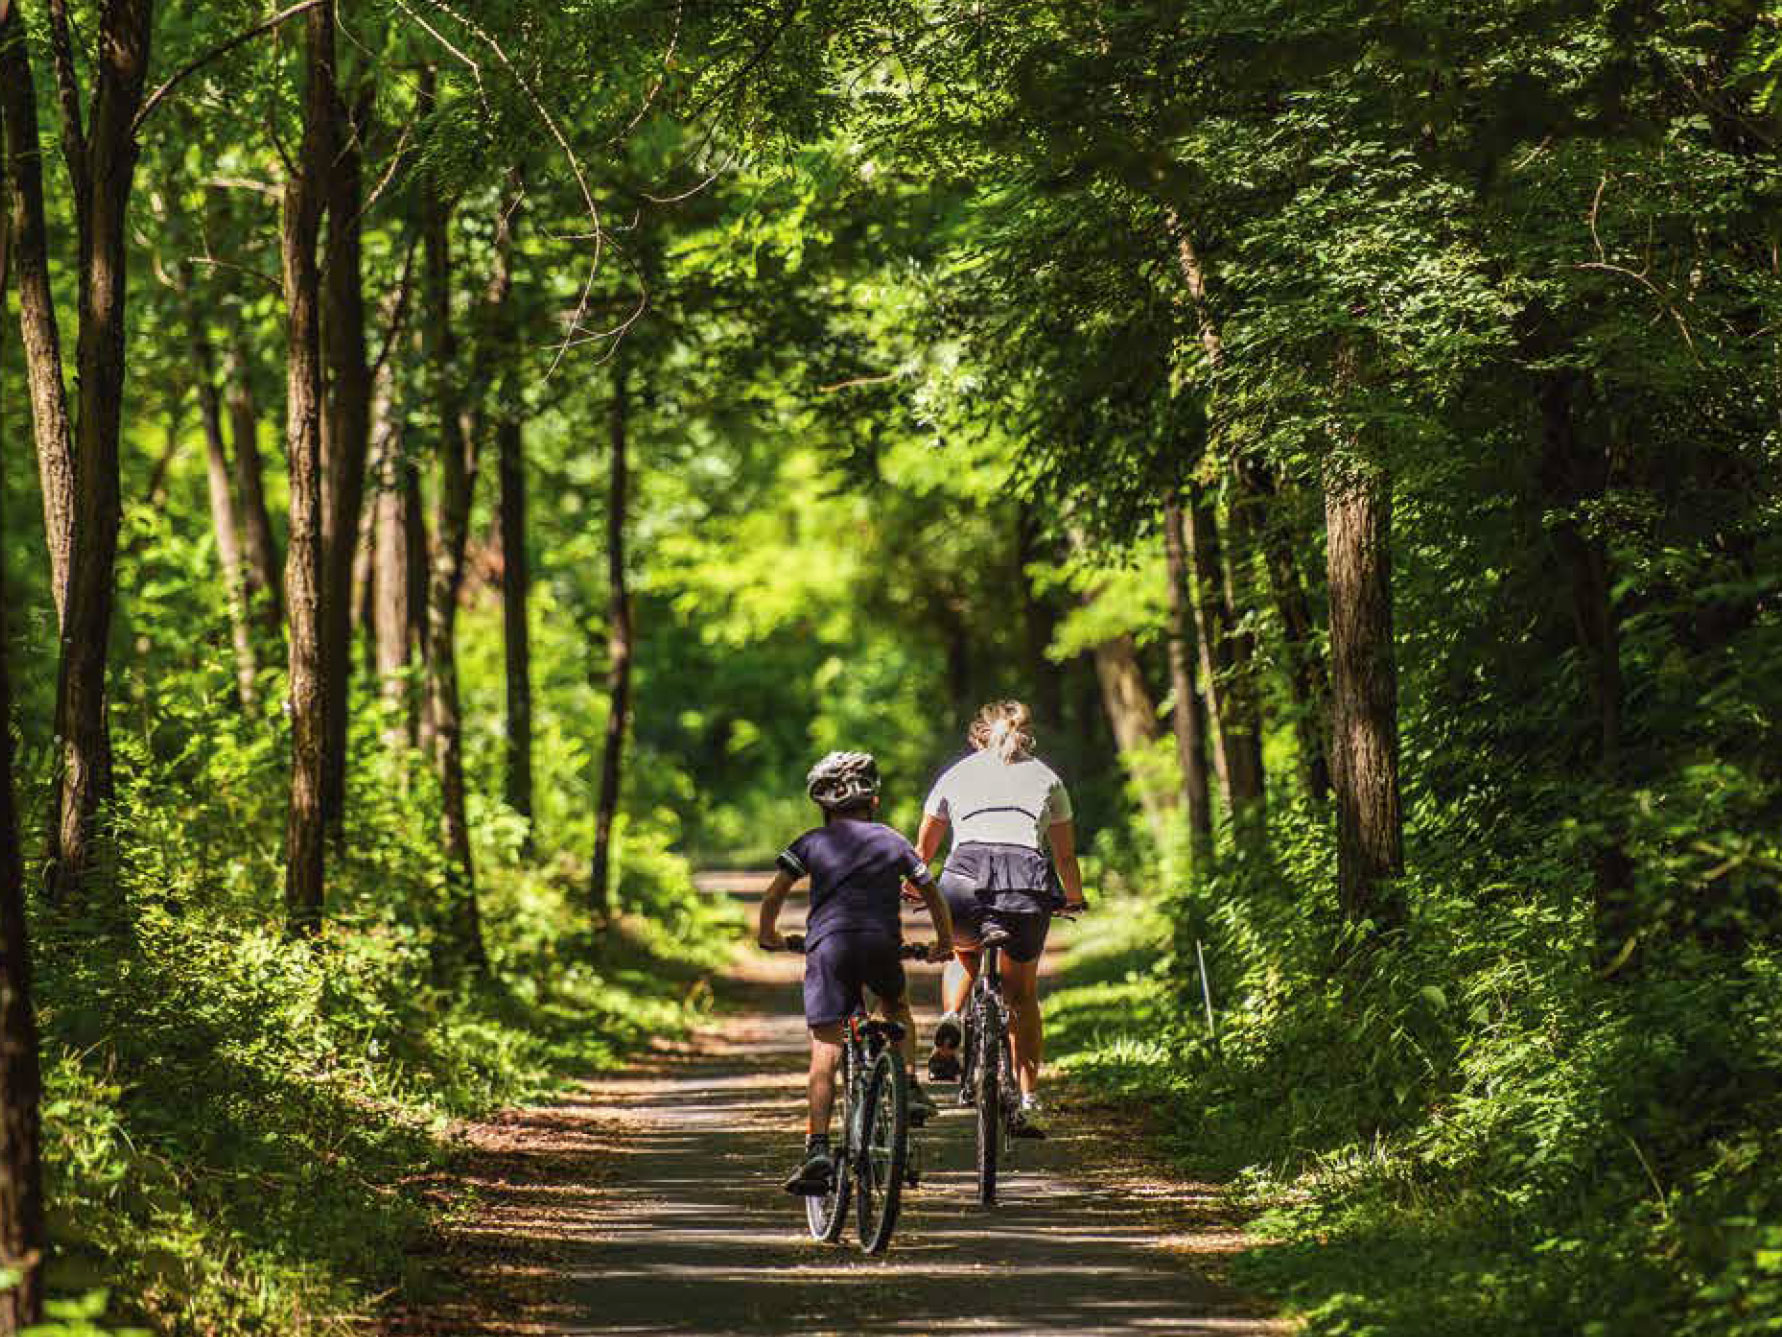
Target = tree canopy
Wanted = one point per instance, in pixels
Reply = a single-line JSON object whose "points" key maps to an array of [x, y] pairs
{"points": [[461, 461]]}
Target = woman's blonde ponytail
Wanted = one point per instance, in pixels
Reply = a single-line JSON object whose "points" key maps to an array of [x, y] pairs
{"points": [[1004, 728]]}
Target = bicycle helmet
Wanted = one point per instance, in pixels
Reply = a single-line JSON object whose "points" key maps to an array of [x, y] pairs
{"points": [[843, 779]]}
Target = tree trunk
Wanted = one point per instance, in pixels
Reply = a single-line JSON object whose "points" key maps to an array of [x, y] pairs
{"points": [[391, 579], [510, 445], [172, 443], [22, 1235], [618, 648], [515, 579], [38, 327], [265, 565], [222, 511], [1133, 717], [304, 855], [1230, 682], [1039, 624], [398, 579], [107, 173], [365, 585], [1364, 695], [418, 563], [1230, 685], [457, 464], [346, 441], [1573, 475], [1307, 678], [1189, 716]]}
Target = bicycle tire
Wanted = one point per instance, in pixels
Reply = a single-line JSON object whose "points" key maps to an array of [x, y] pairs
{"points": [[827, 1216], [884, 1151], [987, 1065]]}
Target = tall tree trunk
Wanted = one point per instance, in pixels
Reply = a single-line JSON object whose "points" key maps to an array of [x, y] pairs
{"points": [[510, 446], [1133, 717], [515, 580], [304, 853], [1307, 679], [346, 440], [1572, 475], [365, 585], [391, 580], [1230, 685], [618, 648], [222, 509], [108, 170], [22, 1235], [38, 326], [1364, 690], [398, 580], [417, 549], [265, 565], [1189, 716], [1039, 624], [457, 475]]}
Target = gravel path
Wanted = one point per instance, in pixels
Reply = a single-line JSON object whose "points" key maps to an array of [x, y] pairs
{"points": [[650, 1203]]}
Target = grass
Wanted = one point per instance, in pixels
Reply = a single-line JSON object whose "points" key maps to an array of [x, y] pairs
{"points": [[245, 1135]]}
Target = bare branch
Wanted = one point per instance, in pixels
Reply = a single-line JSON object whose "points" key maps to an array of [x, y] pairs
{"points": [[674, 39], [240, 39], [396, 310], [749, 66], [550, 122], [271, 281], [854, 381]]}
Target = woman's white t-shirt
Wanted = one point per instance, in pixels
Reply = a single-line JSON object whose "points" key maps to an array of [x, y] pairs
{"points": [[990, 801]]}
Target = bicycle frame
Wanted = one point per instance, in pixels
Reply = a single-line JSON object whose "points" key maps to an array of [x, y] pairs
{"points": [[876, 1157]]}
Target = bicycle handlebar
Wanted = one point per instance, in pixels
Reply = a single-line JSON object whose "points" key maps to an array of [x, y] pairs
{"points": [[909, 951]]}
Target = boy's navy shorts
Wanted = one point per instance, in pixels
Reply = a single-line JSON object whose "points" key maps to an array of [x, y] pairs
{"points": [[840, 966]]}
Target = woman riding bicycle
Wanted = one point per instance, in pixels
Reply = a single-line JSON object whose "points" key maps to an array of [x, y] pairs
{"points": [[1005, 806]]}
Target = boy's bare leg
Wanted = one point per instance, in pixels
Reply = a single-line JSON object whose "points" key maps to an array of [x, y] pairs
{"points": [[899, 1011], [825, 1059]]}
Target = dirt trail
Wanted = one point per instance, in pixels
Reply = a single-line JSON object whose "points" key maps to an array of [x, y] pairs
{"points": [[650, 1203]]}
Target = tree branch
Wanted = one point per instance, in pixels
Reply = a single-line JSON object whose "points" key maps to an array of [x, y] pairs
{"points": [[74, 140], [395, 313], [240, 39]]}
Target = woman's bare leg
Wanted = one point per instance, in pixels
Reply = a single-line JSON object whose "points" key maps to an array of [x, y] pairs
{"points": [[1020, 986]]}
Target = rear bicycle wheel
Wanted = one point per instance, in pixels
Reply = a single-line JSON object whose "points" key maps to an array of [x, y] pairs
{"points": [[989, 1046], [827, 1216], [884, 1150]]}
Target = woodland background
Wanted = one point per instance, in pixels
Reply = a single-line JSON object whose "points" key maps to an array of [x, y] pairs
{"points": [[460, 462]]}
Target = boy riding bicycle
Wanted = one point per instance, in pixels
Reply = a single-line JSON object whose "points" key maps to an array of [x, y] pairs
{"points": [[858, 868]]}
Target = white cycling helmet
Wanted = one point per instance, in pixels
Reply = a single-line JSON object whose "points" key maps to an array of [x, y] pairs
{"points": [[843, 779]]}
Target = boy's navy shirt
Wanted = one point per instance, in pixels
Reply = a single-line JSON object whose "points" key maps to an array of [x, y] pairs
{"points": [[857, 871]]}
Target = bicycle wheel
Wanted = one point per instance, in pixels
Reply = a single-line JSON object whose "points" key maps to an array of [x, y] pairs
{"points": [[884, 1150], [827, 1216], [987, 1060]]}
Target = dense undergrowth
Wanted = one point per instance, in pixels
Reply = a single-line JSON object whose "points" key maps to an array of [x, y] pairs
{"points": [[1464, 1129], [242, 1130]]}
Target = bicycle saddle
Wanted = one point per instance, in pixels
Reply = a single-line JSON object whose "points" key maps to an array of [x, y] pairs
{"points": [[994, 935]]}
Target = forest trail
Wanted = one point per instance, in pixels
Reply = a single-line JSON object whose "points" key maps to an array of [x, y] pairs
{"points": [[649, 1202]]}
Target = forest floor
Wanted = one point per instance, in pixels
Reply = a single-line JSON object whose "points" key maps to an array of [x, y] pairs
{"points": [[648, 1201]]}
